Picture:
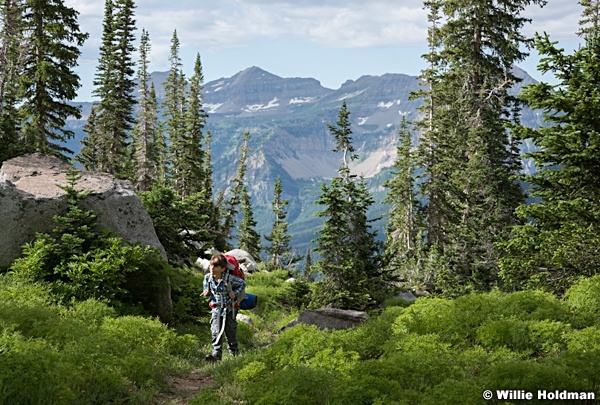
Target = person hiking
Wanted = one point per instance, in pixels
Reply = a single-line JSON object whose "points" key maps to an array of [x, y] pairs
{"points": [[222, 289]]}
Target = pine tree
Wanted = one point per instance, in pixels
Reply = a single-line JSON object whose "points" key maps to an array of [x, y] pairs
{"points": [[195, 120], [466, 155], [403, 237], [279, 251], [207, 169], [350, 256], [12, 52], [114, 86], [174, 110], [559, 240], [235, 194], [47, 80], [248, 238], [307, 273], [89, 154], [146, 131], [125, 100]]}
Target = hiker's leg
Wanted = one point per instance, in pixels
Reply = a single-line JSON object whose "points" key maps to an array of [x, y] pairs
{"points": [[216, 323], [231, 332]]}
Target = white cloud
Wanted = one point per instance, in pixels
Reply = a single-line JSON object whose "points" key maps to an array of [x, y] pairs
{"points": [[215, 24], [211, 26]]}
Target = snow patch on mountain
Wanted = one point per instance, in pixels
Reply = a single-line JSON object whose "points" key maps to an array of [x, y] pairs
{"points": [[363, 120], [350, 95], [217, 86], [302, 100], [388, 104], [212, 108], [258, 107]]}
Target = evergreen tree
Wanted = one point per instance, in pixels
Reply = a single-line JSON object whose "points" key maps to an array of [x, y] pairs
{"points": [[237, 189], [161, 155], [145, 132], [308, 275], [174, 111], [114, 87], [12, 52], [125, 100], [207, 169], [560, 238], [466, 155], [350, 256], [89, 154], [280, 254], [195, 119], [47, 81], [248, 238], [403, 237]]}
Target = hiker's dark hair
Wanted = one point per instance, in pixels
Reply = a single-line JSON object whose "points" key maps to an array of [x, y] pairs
{"points": [[219, 260]]}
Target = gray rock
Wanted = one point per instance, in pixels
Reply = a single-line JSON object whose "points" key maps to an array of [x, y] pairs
{"points": [[330, 318], [244, 318], [30, 198], [247, 262], [407, 296]]}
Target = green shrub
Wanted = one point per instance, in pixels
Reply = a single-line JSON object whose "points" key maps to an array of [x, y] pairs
{"points": [[32, 372], [189, 305], [458, 321], [81, 353], [371, 338], [308, 345], [529, 375], [296, 384], [296, 294], [535, 338], [511, 333], [373, 381], [583, 298], [455, 392]]}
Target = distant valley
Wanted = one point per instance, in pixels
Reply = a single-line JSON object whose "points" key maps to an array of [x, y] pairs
{"points": [[287, 120]]}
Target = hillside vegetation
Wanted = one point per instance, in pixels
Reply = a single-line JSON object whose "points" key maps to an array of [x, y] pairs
{"points": [[433, 351]]}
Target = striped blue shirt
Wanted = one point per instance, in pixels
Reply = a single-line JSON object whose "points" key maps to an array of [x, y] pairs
{"points": [[218, 290]]}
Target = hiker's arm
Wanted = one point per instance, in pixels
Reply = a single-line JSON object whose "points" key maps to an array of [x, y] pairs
{"points": [[205, 287], [238, 286]]}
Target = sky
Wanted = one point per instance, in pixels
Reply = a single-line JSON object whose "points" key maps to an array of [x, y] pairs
{"points": [[330, 40]]}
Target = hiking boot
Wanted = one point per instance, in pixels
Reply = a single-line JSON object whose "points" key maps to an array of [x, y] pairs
{"points": [[212, 357]]}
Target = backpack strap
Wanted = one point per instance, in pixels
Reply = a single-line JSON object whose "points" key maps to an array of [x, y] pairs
{"points": [[240, 297], [215, 293]]}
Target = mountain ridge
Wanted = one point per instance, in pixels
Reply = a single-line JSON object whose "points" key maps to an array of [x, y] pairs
{"points": [[287, 119]]}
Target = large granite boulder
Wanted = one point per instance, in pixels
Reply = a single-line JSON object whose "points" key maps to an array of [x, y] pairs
{"points": [[30, 198], [330, 318]]}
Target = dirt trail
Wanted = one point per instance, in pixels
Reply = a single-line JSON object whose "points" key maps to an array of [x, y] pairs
{"points": [[182, 389]]}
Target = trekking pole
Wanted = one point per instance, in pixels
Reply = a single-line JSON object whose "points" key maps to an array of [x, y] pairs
{"points": [[223, 325]]}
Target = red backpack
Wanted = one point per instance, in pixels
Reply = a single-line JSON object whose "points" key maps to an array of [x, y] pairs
{"points": [[233, 266], [244, 300]]}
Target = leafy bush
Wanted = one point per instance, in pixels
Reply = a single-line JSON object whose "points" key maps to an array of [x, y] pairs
{"points": [[81, 353], [180, 224], [457, 321], [583, 299], [189, 305], [296, 384], [296, 294]]}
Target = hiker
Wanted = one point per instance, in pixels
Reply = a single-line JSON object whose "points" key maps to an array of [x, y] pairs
{"points": [[222, 289]]}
